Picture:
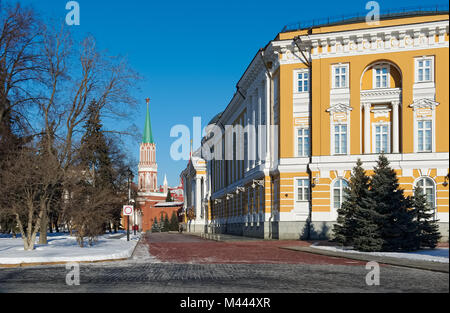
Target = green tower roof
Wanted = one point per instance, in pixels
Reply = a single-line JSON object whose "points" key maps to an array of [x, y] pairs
{"points": [[148, 136]]}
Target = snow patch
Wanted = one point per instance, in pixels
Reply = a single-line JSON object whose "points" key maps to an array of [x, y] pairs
{"points": [[432, 255], [64, 248]]}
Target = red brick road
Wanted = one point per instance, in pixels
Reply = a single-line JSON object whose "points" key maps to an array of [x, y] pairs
{"points": [[175, 248]]}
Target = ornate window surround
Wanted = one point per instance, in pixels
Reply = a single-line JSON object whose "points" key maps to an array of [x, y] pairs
{"points": [[334, 110], [419, 106]]}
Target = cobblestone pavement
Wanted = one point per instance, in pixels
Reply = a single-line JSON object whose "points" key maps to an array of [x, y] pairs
{"points": [[146, 273], [175, 248]]}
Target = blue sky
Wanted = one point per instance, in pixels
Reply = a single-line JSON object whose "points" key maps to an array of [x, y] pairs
{"points": [[190, 53]]}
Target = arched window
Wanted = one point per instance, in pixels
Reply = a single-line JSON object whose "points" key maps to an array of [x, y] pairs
{"points": [[339, 192], [428, 189]]}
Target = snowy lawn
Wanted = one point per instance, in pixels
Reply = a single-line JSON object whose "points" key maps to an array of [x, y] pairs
{"points": [[436, 255], [64, 248]]}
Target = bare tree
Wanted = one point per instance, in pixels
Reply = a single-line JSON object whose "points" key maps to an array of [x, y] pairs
{"points": [[24, 184], [19, 62], [90, 207], [71, 81], [55, 57], [40, 67]]}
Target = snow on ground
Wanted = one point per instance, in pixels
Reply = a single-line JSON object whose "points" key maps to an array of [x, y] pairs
{"points": [[64, 248], [436, 255]]}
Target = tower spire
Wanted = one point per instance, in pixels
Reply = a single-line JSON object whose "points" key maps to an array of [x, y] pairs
{"points": [[148, 135]]}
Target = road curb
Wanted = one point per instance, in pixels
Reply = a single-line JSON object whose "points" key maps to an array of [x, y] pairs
{"points": [[135, 247], [416, 264], [57, 263]]}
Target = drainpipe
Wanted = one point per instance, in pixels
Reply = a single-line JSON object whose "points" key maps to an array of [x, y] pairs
{"points": [[308, 62]]}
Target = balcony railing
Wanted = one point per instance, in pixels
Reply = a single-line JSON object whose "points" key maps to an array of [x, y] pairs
{"points": [[361, 16]]}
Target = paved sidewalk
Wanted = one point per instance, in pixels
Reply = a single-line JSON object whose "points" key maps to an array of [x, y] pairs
{"points": [[418, 264]]}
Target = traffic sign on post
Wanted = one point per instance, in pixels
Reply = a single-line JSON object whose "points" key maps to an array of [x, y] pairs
{"points": [[128, 210]]}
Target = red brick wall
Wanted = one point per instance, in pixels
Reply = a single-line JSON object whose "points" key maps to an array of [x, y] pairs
{"points": [[149, 212]]}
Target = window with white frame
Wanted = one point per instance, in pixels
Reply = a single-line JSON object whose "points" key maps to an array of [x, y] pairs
{"points": [[428, 188], [302, 142], [382, 138], [424, 136], [302, 81], [302, 187], [340, 139], [339, 188], [340, 76], [424, 69], [381, 77]]}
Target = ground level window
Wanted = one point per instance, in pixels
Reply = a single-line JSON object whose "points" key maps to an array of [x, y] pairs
{"points": [[428, 189], [339, 193], [302, 189]]}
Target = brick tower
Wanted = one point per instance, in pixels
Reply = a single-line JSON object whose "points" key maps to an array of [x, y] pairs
{"points": [[148, 168]]}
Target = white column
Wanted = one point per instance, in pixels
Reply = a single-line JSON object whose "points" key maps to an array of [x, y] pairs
{"points": [[185, 195], [198, 200], [268, 130], [260, 122], [367, 128], [253, 118], [249, 134], [395, 127]]}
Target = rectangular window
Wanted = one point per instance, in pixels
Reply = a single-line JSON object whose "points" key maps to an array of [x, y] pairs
{"points": [[381, 77], [303, 82], [340, 139], [340, 76], [303, 142], [424, 70], [302, 190], [381, 138], [424, 136], [337, 198]]}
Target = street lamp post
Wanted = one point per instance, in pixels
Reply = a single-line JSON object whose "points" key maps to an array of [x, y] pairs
{"points": [[134, 221], [130, 175]]}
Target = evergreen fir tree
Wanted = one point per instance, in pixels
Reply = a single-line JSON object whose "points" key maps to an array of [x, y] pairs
{"points": [[169, 197], [356, 224], [367, 236], [174, 222], [94, 152], [396, 222], [166, 223], [155, 226], [428, 229]]}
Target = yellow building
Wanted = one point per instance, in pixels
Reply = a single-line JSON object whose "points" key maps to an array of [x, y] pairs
{"points": [[329, 95]]}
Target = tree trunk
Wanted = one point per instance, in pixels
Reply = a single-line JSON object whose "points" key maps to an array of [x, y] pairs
{"points": [[43, 229]]}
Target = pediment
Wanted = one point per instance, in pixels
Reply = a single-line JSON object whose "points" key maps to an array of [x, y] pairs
{"points": [[424, 103], [340, 107]]}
